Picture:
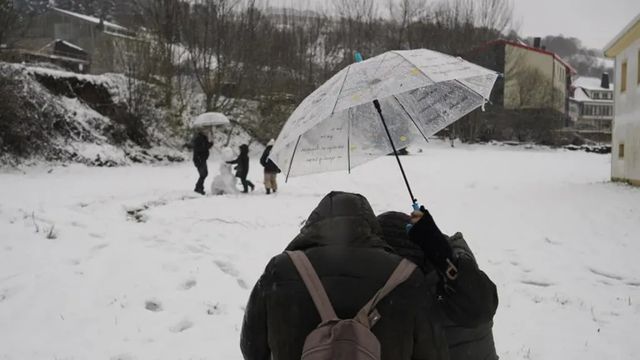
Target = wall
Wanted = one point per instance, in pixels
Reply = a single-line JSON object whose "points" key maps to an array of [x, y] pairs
{"points": [[626, 124], [540, 93], [53, 25]]}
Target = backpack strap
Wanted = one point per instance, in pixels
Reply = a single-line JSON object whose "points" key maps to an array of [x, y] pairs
{"points": [[399, 275], [314, 285]]}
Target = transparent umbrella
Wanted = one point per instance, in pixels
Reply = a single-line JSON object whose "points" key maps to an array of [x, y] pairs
{"points": [[372, 107]]}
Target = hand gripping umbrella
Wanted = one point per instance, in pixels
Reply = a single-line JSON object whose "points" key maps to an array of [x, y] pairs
{"points": [[372, 107]]}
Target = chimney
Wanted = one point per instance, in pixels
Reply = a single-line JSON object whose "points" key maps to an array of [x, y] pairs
{"points": [[536, 42], [605, 81]]}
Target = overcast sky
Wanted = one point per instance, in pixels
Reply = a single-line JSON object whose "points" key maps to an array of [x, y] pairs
{"points": [[594, 22]]}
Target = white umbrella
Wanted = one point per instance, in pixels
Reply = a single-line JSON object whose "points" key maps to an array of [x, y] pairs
{"points": [[362, 112], [210, 119]]}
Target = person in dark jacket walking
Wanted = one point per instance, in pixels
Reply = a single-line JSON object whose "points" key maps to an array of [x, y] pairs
{"points": [[242, 167], [466, 297], [344, 243], [271, 170], [201, 146]]}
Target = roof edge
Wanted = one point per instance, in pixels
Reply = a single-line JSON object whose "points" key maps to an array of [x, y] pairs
{"points": [[620, 35]]}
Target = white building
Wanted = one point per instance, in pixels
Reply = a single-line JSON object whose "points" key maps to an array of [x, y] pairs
{"points": [[625, 48], [591, 105]]}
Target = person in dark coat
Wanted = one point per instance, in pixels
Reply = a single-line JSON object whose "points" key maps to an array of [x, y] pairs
{"points": [[343, 241], [201, 146], [271, 170], [242, 167], [468, 302]]}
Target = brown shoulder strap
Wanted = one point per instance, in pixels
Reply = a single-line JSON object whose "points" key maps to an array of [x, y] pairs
{"points": [[314, 285], [399, 275]]}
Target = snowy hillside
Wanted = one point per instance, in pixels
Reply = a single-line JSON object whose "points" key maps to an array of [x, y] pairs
{"points": [[126, 263], [57, 115]]}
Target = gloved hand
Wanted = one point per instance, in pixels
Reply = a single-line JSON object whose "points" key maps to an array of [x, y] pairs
{"points": [[434, 244]]}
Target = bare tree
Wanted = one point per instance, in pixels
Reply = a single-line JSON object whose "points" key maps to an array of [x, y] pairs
{"points": [[403, 13], [213, 51], [161, 19], [494, 14], [8, 19], [356, 10], [17, 17]]}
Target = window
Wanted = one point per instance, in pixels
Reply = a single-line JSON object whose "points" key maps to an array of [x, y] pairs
{"points": [[621, 151], [623, 79]]}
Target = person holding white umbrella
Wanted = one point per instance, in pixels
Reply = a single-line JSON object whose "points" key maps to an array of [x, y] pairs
{"points": [[201, 146], [202, 142]]}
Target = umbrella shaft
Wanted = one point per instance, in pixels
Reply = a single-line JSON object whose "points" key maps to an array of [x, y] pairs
{"points": [[376, 103]]}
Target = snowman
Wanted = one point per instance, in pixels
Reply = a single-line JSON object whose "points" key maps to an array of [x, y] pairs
{"points": [[225, 181]]}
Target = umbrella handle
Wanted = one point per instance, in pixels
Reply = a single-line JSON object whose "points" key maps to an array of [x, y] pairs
{"points": [[376, 104]]}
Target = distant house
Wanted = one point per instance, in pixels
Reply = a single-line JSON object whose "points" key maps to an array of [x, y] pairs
{"points": [[625, 49], [591, 105], [90, 40], [529, 102], [534, 78]]}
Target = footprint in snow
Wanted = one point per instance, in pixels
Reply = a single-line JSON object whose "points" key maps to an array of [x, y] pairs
{"points": [[122, 357], [606, 274], [549, 241], [188, 284], [74, 262], [216, 309], [99, 247], [536, 283], [181, 326], [227, 268], [153, 305]]}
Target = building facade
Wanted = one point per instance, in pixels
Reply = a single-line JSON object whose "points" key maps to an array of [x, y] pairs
{"points": [[591, 105], [534, 78], [97, 38], [625, 49]]}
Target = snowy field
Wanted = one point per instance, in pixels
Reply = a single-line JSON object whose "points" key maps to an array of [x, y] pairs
{"points": [[126, 263]]}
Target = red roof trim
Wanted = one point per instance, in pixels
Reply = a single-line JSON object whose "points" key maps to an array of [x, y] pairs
{"points": [[527, 47]]}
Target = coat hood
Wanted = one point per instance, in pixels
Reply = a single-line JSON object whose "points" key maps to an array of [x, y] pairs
{"points": [[394, 230], [340, 219]]}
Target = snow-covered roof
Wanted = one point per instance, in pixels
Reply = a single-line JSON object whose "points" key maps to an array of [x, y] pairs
{"points": [[525, 46], [580, 95], [71, 45], [591, 83], [91, 19]]}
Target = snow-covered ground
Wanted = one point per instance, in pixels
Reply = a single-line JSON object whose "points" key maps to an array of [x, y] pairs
{"points": [[125, 263]]}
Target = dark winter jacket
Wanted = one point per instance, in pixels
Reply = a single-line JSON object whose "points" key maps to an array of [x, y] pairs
{"points": [[269, 166], [242, 162], [201, 146], [343, 242], [468, 305]]}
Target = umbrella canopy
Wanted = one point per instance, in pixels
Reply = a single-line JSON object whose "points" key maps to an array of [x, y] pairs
{"points": [[210, 119], [420, 92]]}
